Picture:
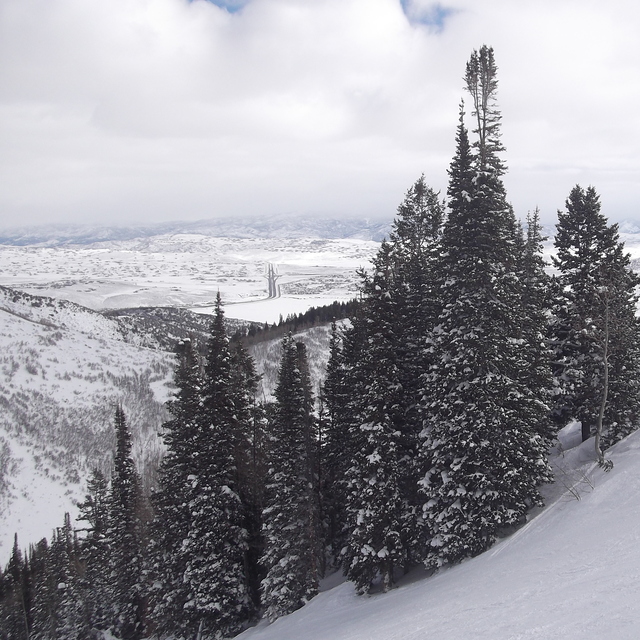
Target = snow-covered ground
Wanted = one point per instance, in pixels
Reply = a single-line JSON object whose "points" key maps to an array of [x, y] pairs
{"points": [[572, 572], [187, 270]]}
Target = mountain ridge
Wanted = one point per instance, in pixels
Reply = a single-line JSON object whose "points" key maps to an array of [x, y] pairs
{"points": [[244, 228]]}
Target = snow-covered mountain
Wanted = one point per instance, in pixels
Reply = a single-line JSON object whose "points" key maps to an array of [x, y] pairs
{"points": [[88, 318], [573, 571], [264, 227]]}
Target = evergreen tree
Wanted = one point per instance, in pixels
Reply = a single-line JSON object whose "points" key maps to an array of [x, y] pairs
{"points": [[94, 553], [124, 536], [216, 544], [250, 460], [172, 502], [375, 504], [63, 605], [16, 606], [290, 559], [398, 309], [347, 438], [415, 249], [312, 446], [595, 331], [483, 458], [42, 589], [335, 453], [536, 306]]}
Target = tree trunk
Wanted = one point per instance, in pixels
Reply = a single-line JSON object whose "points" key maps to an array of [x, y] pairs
{"points": [[607, 465]]}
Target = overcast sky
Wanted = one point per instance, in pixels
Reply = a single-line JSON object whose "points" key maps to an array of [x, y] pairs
{"points": [[135, 111]]}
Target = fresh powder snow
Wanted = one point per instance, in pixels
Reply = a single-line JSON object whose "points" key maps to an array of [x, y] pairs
{"points": [[573, 571]]}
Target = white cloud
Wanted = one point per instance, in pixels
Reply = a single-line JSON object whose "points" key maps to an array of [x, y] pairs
{"points": [[163, 109]]}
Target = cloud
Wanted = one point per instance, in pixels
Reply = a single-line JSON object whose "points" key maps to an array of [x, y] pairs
{"points": [[432, 15], [165, 109], [232, 6]]}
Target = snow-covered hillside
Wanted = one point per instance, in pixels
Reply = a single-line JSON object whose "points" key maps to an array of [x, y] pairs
{"points": [[267, 358], [63, 369], [572, 572]]}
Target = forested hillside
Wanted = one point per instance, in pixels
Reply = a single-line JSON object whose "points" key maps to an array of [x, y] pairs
{"points": [[63, 370], [428, 440]]}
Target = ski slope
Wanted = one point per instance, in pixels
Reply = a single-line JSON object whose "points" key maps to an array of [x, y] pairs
{"points": [[572, 572]]}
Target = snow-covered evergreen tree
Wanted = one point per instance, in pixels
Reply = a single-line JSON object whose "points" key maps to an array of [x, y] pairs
{"points": [[290, 555], [415, 249], [335, 452], [483, 459], [172, 502], [536, 354], [15, 609], [375, 505], [59, 612], [125, 538], [383, 420], [216, 542], [594, 312], [250, 460], [200, 568], [94, 552]]}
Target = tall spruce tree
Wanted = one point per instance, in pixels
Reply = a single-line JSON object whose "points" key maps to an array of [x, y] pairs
{"points": [[398, 309], [216, 543], [16, 602], [67, 618], [172, 502], [537, 355], [290, 556], [125, 538], [41, 609], [415, 248], [595, 331], [335, 453], [250, 460], [375, 504], [482, 456], [345, 438], [94, 552]]}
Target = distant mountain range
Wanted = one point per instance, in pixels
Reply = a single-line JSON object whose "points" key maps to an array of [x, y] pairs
{"points": [[262, 227], [266, 227]]}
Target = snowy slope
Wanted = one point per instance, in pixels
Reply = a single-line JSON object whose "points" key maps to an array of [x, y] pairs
{"points": [[267, 358], [573, 572], [62, 371], [63, 368]]}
